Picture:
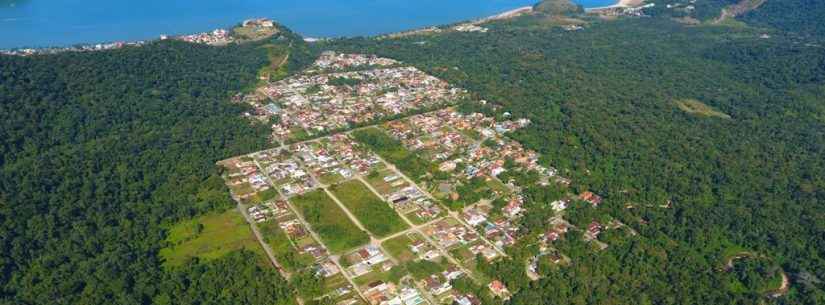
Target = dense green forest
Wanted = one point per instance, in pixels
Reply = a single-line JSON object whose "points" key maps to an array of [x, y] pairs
{"points": [[604, 102], [101, 151], [802, 16]]}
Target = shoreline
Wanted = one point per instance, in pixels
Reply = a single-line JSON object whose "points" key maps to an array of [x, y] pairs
{"points": [[619, 4]]}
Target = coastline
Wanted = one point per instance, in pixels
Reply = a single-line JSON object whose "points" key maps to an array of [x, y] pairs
{"points": [[619, 4]]}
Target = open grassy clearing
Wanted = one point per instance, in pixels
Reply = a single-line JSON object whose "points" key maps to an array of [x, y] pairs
{"points": [[399, 247], [375, 214], [696, 107], [394, 152], [208, 237], [329, 221]]}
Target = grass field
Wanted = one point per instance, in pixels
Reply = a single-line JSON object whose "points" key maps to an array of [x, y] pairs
{"points": [[399, 247], [208, 237], [329, 221], [394, 152], [698, 108], [375, 214]]}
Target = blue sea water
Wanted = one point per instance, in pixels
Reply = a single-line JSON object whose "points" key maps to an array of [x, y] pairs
{"points": [[39, 23]]}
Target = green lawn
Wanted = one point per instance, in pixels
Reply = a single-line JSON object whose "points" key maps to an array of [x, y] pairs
{"points": [[375, 214], [399, 247], [208, 237], [394, 152], [329, 221], [373, 276]]}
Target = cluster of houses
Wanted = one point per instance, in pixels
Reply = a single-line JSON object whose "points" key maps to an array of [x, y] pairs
{"points": [[215, 37], [450, 234], [337, 155], [366, 260], [223, 36], [245, 178], [469, 27], [424, 250], [409, 199], [382, 293], [616, 11], [268, 210], [334, 95], [453, 138], [330, 61], [313, 103], [285, 172], [77, 48]]}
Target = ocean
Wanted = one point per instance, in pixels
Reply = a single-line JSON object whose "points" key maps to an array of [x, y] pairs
{"points": [[42, 23]]}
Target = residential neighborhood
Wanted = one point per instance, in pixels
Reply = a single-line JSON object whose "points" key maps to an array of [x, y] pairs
{"points": [[341, 91], [465, 211]]}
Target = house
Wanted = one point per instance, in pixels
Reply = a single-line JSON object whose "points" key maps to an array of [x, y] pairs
{"points": [[592, 198], [410, 296], [474, 217], [436, 285], [594, 228], [452, 273], [466, 299], [327, 269], [559, 205], [498, 289], [513, 208], [417, 245], [447, 166]]}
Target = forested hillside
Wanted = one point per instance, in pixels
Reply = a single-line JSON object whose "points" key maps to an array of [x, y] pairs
{"points": [[743, 172], [101, 152], [803, 16]]}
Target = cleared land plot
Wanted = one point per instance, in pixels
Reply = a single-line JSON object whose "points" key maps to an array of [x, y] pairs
{"points": [[386, 181], [416, 220], [286, 254], [698, 108], [375, 214], [373, 276], [393, 151], [399, 247], [329, 221], [208, 237]]}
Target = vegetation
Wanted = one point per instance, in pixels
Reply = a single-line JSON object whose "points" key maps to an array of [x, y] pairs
{"points": [[399, 247], [208, 237], [231, 279], [373, 213], [283, 249], [329, 221], [101, 152], [557, 7], [601, 103], [394, 152], [698, 108]]}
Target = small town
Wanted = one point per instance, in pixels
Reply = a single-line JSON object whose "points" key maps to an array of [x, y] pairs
{"points": [[251, 29], [379, 232], [341, 91]]}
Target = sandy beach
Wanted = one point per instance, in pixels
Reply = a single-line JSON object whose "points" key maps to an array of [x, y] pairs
{"points": [[621, 3]]}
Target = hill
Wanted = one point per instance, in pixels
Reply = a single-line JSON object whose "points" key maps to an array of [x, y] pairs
{"points": [[557, 7]]}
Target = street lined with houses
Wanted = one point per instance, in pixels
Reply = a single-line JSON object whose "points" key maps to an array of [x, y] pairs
{"points": [[352, 212]]}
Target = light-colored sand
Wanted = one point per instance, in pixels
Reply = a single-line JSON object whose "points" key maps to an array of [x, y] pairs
{"points": [[621, 3]]}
